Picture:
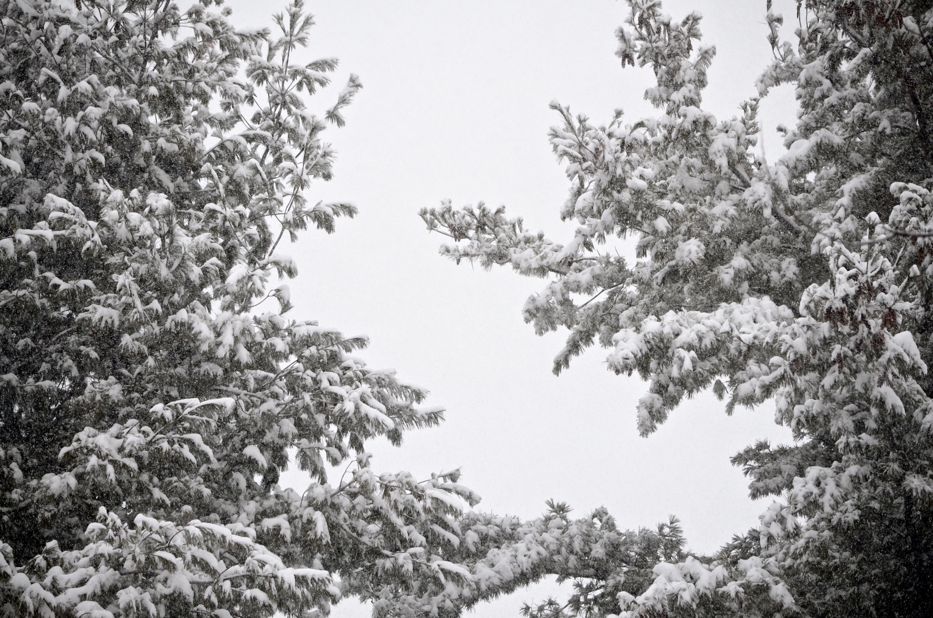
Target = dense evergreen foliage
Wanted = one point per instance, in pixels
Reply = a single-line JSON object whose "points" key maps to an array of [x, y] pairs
{"points": [[153, 161], [805, 281], [151, 389]]}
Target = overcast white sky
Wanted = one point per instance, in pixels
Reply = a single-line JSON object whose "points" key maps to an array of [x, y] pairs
{"points": [[455, 105]]}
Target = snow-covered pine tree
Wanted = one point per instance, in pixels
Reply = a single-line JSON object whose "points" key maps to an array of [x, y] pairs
{"points": [[152, 159], [805, 281]]}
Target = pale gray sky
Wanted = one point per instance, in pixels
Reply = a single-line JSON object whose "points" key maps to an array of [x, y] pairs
{"points": [[455, 105]]}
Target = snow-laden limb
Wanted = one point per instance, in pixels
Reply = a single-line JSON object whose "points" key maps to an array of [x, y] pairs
{"points": [[691, 587], [501, 554], [804, 280], [149, 566], [614, 572]]}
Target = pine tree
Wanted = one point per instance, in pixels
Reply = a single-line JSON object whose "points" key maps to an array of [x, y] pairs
{"points": [[804, 281], [152, 160]]}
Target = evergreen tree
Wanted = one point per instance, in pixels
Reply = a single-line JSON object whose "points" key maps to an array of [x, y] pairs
{"points": [[805, 281], [152, 160]]}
